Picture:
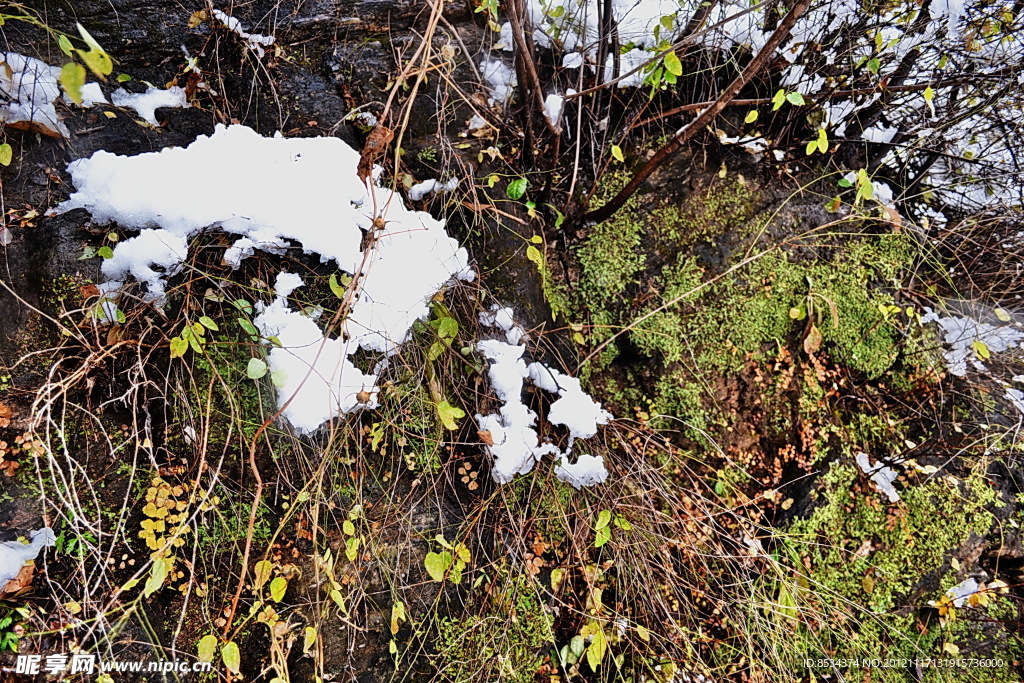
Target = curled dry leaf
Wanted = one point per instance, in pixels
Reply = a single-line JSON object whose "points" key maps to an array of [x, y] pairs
{"points": [[20, 583], [376, 144], [485, 436]]}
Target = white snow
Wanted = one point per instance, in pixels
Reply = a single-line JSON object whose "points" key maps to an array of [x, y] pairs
{"points": [[28, 88], [553, 104], [431, 186], [574, 409], [963, 590], [315, 377], [962, 334], [269, 192], [516, 447], [504, 319], [588, 470], [148, 102], [881, 476], [501, 78], [254, 41], [14, 555]]}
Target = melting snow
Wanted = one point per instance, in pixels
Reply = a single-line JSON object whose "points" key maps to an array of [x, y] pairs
{"points": [[254, 41], [962, 335], [882, 476], [431, 186], [14, 555], [29, 88], [516, 447], [148, 102], [270, 191]]}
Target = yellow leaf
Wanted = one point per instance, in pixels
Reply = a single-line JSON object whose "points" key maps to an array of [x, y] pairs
{"points": [[1002, 315], [751, 116], [617, 153]]}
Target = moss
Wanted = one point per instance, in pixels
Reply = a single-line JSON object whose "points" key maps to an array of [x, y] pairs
{"points": [[864, 566], [505, 641], [705, 320], [898, 545]]}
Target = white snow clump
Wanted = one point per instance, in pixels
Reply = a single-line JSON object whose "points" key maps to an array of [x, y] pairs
{"points": [[29, 88], [270, 191], [515, 446], [881, 476], [146, 104], [254, 41], [962, 336], [14, 555]]}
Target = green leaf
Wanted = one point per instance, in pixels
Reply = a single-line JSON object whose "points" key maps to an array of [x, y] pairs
{"points": [[279, 378], [178, 347], [397, 616], [123, 78], [751, 116], [6, 154], [337, 287], [597, 649], [874, 65], [65, 45], [673, 65], [517, 188], [534, 254], [796, 99], [256, 368], [98, 62], [348, 528], [261, 573], [447, 328], [603, 519], [602, 536], [617, 153], [844, 183], [230, 656], [1002, 315], [450, 415], [208, 323], [622, 523], [249, 328], [778, 99], [207, 647], [72, 78], [278, 587], [437, 564], [105, 252], [308, 639], [157, 575], [96, 58], [644, 634], [929, 95], [352, 548], [981, 348]]}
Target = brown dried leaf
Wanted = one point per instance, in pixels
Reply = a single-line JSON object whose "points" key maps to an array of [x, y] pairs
{"points": [[486, 437], [19, 583], [376, 145], [812, 342]]}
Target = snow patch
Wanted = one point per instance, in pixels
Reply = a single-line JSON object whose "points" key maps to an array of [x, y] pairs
{"points": [[29, 88], [254, 41], [146, 104], [269, 192], [14, 555], [515, 446], [963, 335], [881, 476]]}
